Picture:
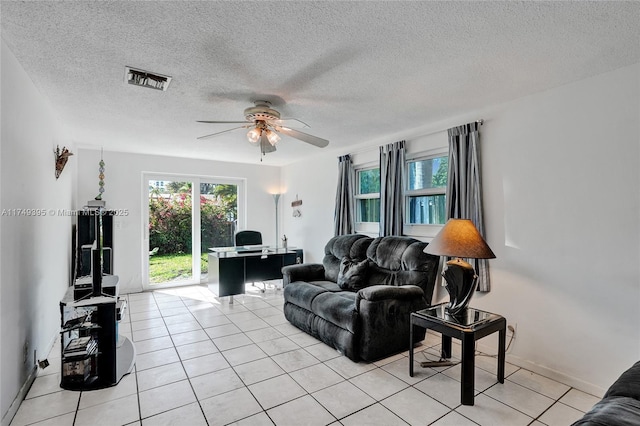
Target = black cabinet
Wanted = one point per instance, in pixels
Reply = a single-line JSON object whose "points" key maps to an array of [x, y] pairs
{"points": [[260, 268]]}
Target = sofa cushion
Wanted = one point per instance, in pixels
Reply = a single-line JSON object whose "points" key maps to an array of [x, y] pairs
{"points": [[302, 294], [337, 308], [402, 261], [353, 274], [353, 246], [327, 285]]}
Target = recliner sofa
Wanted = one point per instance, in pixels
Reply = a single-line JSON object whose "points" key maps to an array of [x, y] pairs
{"points": [[360, 298], [620, 405]]}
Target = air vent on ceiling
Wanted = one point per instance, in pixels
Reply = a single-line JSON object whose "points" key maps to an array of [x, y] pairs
{"points": [[146, 79]]}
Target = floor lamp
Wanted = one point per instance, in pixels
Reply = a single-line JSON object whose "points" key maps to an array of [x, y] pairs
{"points": [[276, 198]]}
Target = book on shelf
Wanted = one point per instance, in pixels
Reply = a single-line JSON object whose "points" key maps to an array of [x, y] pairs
{"points": [[81, 346], [78, 370], [90, 350], [76, 322]]}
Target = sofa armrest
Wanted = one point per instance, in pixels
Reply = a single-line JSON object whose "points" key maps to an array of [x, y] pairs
{"points": [[381, 292], [385, 318], [303, 272], [628, 384]]}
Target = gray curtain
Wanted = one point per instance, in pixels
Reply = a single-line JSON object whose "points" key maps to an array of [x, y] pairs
{"points": [[344, 217], [464, 190], [391, 185]]}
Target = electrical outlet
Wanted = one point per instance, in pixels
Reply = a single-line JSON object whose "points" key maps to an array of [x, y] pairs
{"points": [[511, 329]]}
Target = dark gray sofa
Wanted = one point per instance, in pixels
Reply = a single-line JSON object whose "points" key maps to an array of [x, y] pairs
{"points": [[620, 405], [360, 298]]}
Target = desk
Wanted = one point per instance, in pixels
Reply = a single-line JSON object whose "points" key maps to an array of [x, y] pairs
{"points": [[471, 325], [231, 267]]}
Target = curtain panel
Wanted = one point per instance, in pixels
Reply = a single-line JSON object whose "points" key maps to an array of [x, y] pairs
{"points": [[464, 189], [344, 217], [391, 185]]}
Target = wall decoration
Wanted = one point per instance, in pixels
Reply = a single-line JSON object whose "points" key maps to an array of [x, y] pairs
{"points": [[61, 157], [297, 207], [100, 177]]}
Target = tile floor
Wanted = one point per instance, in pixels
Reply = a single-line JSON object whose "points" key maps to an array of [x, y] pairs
{"points": [[202, 361]]}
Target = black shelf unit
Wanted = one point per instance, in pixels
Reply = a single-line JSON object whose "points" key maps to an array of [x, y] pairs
{"points": [[79, 369], [114, 355]]}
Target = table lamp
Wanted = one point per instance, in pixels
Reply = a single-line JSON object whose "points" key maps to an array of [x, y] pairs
{"points": [[459, 238]]}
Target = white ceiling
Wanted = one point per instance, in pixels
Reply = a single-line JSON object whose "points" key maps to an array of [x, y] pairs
{"points": [[354, 71]]}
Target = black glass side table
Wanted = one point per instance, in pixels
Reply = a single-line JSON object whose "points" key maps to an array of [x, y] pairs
{"points": [[469, 326]]}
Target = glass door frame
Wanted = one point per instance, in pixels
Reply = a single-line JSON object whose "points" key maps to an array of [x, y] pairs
{"points": [[196, 180]]}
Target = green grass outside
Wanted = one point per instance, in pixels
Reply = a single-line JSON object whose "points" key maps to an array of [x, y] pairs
{"points": [[172, 267]]}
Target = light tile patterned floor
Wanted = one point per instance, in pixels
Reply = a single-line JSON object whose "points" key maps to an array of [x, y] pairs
{"points": [[202, 361]]}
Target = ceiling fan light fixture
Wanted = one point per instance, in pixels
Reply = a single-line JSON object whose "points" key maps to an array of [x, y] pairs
{"points": [[253, 135], [272, 137], [265, 128]]}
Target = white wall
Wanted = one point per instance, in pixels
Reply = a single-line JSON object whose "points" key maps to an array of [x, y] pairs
{"points": [[124, 190], [562, 209], [314, 183], [561, 175], [36, 251]]}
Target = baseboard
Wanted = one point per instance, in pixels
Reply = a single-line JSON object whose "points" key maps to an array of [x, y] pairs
{"points": [[13, 409], [550, 373]]}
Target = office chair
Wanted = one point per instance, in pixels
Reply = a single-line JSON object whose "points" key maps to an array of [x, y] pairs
{"points": [[249, 238]]}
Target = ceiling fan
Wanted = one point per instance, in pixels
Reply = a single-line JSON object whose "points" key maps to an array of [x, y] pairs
{"points": [[264, 124]]}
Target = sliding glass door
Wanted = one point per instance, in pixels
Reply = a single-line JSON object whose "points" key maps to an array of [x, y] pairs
{"points": [[218, 217], [184, 217], [170, 245]]}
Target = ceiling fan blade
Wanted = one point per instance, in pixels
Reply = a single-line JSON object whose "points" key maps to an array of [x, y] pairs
{"points": [[288, 122], [313, 140], [224, 131], [224, 122]]}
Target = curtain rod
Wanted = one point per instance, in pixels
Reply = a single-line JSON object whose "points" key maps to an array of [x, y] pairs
{"points": [[359, 151]]}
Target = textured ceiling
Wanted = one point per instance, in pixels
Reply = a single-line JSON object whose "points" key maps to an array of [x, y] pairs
{"points": [[354, 71]]}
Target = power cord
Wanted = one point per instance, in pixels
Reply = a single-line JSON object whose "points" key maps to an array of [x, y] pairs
{"points": [[444, 362], [513, 334]]}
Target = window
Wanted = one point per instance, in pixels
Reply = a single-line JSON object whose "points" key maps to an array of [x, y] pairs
{"points": [[425, 208], [426, 191], [368, 195]]}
